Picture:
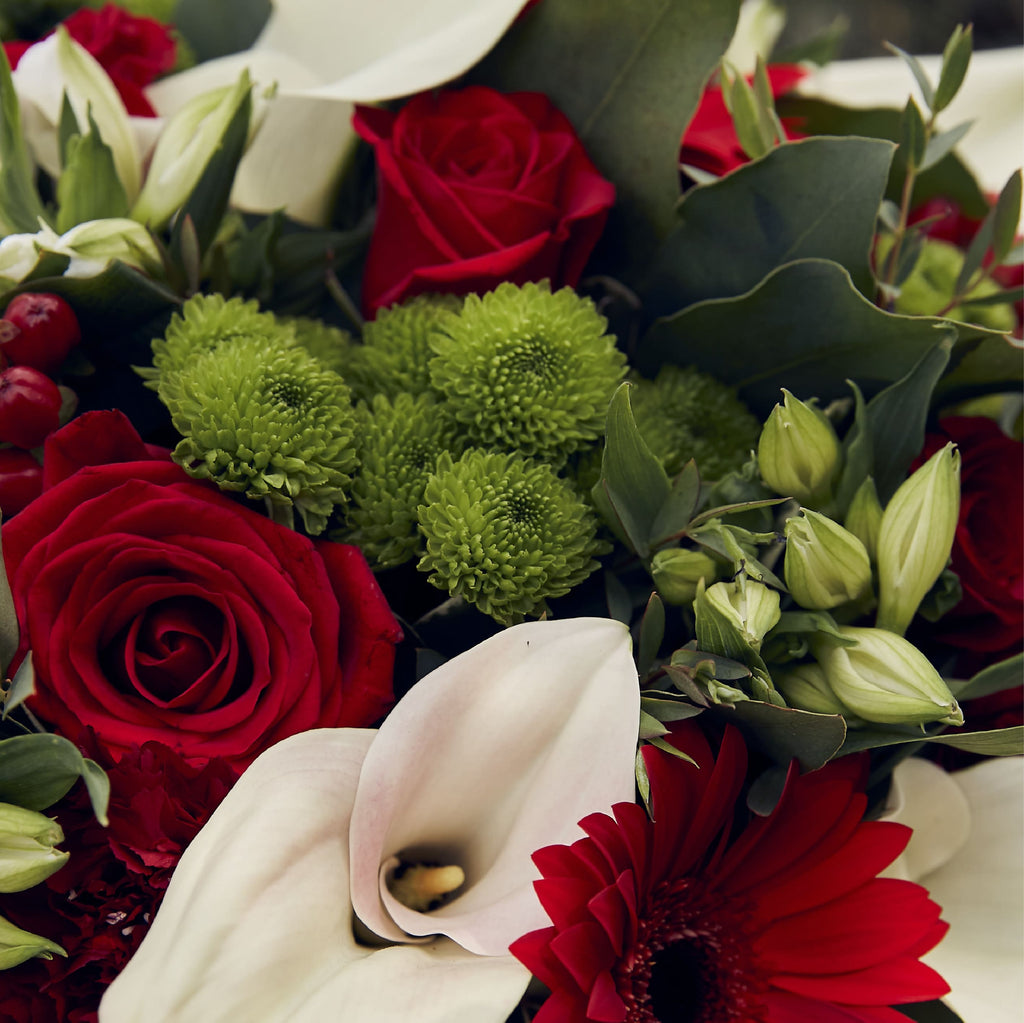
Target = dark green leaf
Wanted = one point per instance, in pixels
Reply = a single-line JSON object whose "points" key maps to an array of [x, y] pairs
{"points": [[652, 632], [955, 59], [1006, 297], [785, 734], [766, 790], [629, 81], [987, 366], [97, 784], [993, 679], [23, 685], [620, 607], [919, 73], [643, 783], [999, 742], [976, 251], [814, 198], [217, 29], [771, 126], [805, 327], [944, 595], [37, 769], [667, 747], [665, 708], [67, 129], [20, 205], [8, 621], [650, 726], [820, 49], [1006, 218], [675, 514], [723, 668], [913, 134], [942, 144], [930, 1012], [89, 188]]}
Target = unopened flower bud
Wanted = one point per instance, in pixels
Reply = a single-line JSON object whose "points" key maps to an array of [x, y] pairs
{"points": [[884, 678], [27, 853], [677, 571], [915, 538], [806, 688], [825, 564], [750, 607], [798, 453], [16, 945], [864, 516]]}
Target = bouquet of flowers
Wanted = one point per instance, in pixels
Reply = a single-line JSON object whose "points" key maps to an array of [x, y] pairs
{"points": [[510, 512]]}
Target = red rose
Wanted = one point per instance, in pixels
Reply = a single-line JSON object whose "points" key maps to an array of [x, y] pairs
{"points": [[710, 143], [988, 549], [476, 188], [157, 608], [133, 51]]}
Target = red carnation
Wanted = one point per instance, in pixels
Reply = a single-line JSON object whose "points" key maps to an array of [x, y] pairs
{"points": [[785, 922]]}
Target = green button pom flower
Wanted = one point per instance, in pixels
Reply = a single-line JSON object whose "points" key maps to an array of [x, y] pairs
{"points": [[505, 534], [526, 370]]}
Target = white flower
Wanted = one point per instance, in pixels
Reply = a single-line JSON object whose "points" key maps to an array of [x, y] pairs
{"points": [[494, 755], [966, 849]]}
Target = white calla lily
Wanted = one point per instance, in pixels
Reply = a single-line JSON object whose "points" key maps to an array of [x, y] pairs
{"points": [[496, 754], [966, 849], [324, 55]]}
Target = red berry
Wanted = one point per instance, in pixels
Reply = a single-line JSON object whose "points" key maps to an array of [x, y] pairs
{"points": [[47, 331], [29, 406], [21, 480]]}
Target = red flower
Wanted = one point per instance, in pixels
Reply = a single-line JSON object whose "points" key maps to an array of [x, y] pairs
{"points": [[988, 548], [785, 922], [476, 188], [99, 905], [710, 142], [159, 609], [133, 51]]}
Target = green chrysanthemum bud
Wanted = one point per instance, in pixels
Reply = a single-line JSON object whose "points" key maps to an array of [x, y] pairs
{"points": [[864, 516], [331, 346], [505, 533], [915, 537], [27, 848], [685, 414], [825, 564], [677, 571], [269, 421], [204, 323], [798, 453], [395, 355], [884, 678], [526, 370], [399, 444], [805, 687], [18, 946]]}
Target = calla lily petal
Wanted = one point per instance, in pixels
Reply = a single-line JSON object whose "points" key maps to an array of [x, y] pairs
{"points": [[979, 885], [257, 922], [528, 733]]}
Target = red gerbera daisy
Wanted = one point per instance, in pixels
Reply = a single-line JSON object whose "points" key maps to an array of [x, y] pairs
{"points": [[687, 920]]}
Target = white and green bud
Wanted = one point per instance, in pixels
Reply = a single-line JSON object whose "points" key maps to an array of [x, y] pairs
{"points": [[806, 688], [884, 678], [751, 608], [915, 538], [677, 571], [27, 848], [799, 453], [185, 147], [826, 565], [96, 243], [864, 516], [17, 946]]}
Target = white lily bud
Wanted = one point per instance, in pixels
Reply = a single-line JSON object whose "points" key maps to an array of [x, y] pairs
{"points": [[95, 243], [27, 853], [16, 945], [751, 607], [677, 571], [915, 538], [805, 687], [825, 564], [884, 678], [798, 452]]}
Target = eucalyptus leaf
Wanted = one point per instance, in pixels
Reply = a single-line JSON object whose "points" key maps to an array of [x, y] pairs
{"points": [[667, 747], [993, 679], [805, 326], [990, 365], [994, 743], [23, 685], [643, 782], [942, 144], [37, 769], [917, 70], [650, 726], [1006, 218], [620, 607], [718, 666], [629, 80], [914, 134], [1005, 297], [956, 57], [666, 709], [785, 734], [652, 632], [814, 198]]}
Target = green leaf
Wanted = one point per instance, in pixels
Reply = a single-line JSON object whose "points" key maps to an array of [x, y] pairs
{"points": [[914, 134], [820, 49], [23, 685], [650, 726], [805, 327], [813, 198], [97, 784], [771, 126], [676, 512], [665, 708], [987, 366], [217, 29], [37, 769], [747, 117], [8, 620], [620, 607], [667, 747], [1006, 218], [652, 632], [993, 679], [67, 129], [717, 665], [629, 81], [942, 144], [999, 742], [20, 205], [632, 480], [955, 60], [918, 71], [785, 734], [643, 783], [88, 187]]}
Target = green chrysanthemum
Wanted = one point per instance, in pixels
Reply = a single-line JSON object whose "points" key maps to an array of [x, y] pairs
{"points": [[685, 414], [505, 533], [396, 353], [399, 444], [527, 370], [269, 421], [204, 323], [330, 345]]}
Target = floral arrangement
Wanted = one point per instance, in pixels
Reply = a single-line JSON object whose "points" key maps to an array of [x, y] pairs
{"points": [[510, 512]]}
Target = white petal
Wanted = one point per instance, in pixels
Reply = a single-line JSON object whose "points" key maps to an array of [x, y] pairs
{"points": [[525, 734], [981, 891]]}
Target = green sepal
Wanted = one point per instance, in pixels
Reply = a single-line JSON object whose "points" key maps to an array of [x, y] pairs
{"points": [[88, 187]]}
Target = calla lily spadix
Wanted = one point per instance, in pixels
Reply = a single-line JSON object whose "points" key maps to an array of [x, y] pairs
{"points": [[966, 849], [492, 756]]}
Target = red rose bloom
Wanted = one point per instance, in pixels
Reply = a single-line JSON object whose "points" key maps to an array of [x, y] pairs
{"points": [[710, 143], [684, 918], [98, 906], [988, 548], [476, 188], [157, 608], [133, 51]]}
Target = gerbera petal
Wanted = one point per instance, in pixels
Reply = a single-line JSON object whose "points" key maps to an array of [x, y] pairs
{"points": [[894, 982], [784, 1007]]}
